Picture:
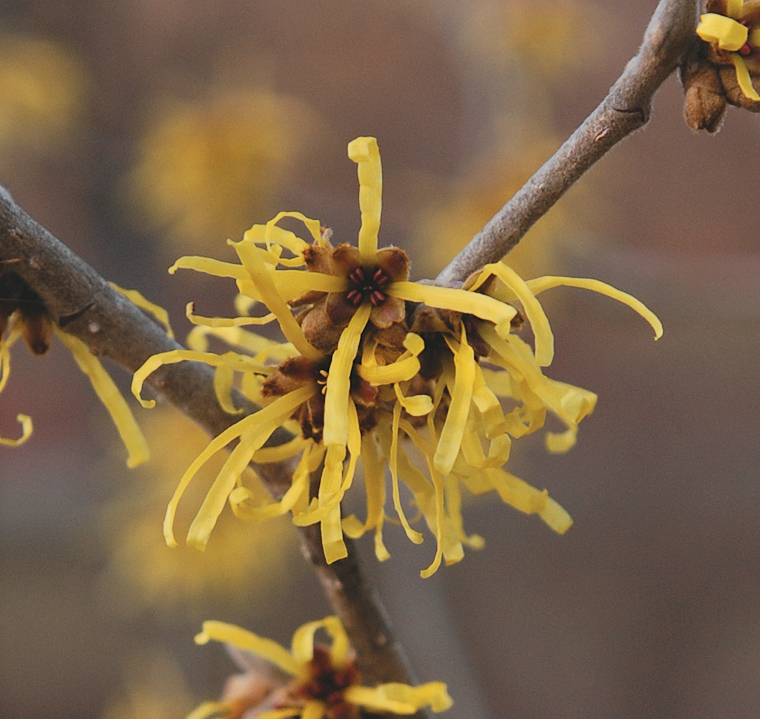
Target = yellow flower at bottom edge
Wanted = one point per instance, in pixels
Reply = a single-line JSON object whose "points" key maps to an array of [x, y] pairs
{"points": [[326, 682]]}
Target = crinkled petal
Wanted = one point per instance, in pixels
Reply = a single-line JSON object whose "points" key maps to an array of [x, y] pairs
{"points": [[540, 284], [365, 152], [261, 646], [144, 304], [302, 645], [464, 301], [723, 31], [743, 77], [232, 359], [112, 399], [209, 266], [400, 698], [26, 431], [542, 331], [453, 429], [266, 287], [339, 378], [266, 418], [225, 321]]}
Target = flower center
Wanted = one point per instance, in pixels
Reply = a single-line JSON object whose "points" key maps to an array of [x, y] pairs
{"points": [[748, 47], [328, 684], [367, 283]]}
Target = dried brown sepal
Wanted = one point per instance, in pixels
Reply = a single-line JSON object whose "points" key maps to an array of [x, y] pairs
{"points": [[16, 297], [704, 97]]}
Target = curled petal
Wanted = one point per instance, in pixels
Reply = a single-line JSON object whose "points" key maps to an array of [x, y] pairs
{"points": [[109, 395], [243, 639], [26, 431], [144, 304], [364, 151], [400, 698], [540, 284]]}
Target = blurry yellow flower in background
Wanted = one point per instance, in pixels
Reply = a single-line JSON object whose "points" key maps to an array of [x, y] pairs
{"points": [[551, 38], [143, 572], [155, 689], [42, 88], [205, 167]]}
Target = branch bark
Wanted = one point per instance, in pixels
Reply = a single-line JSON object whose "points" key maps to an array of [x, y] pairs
{"points": [[626, 108]]}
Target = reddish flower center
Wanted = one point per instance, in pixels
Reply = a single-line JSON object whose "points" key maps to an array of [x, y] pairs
{"points": [[367, 283], [748, 47], [327, 684]]}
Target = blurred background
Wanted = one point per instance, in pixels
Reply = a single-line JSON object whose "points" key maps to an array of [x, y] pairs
{"points": [[142, 130]]}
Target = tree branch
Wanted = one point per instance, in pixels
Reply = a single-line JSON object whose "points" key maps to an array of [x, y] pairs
{"points": [[626, 108]]}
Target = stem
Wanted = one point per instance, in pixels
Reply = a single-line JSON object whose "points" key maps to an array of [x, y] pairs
{"points": [[626, 108]]}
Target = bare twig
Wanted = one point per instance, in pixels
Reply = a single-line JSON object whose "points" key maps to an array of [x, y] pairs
{"points": [[626, 108]]}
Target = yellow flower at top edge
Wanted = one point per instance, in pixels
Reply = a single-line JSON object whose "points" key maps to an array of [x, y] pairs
{"points": [[326, 682], [372, 360], [732, 28]]}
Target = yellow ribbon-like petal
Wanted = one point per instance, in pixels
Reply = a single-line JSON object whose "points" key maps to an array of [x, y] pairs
{"points": [[540, 284], [144, 304], [26, 431], [461, 396], [464, 301], [266, 418], [400, 698], [112, 399], [743, 77], [339, 378], [364, 151], [243, 639], [248, 253], [723, 31], [302, 645]]}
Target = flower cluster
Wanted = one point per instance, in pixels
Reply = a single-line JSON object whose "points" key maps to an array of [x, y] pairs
{"points": [[23, 314], [720, 69], [325, 680], [429, 381]]}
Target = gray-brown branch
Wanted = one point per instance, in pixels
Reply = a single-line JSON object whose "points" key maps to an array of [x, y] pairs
{"points": [[626, 108]]}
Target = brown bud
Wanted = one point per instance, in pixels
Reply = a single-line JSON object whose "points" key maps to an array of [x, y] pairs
{"points": [[704, 102]]}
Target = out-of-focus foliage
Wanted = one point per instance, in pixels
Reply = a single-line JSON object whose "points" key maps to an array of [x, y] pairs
{"points": [[241, 564], [205, 168], [43, 90]]}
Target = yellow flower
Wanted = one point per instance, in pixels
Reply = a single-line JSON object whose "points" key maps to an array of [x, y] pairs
{"points": [[326, 682], [370, 358], [43, 89], [23, 314], [732, 28]]}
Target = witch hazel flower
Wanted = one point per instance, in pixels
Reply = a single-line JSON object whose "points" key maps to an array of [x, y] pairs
{"points": [[378, 370], [721, 68], [318, 681]]}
